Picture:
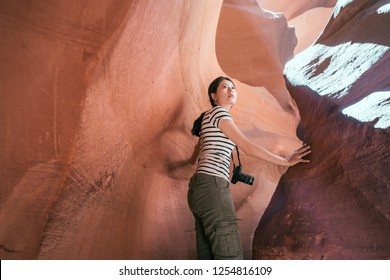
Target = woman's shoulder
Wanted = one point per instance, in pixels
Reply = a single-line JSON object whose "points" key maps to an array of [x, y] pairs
{"points": [[217, 109]]}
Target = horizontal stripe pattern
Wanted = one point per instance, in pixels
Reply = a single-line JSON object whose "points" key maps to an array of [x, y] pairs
{"points": [[215, 147]]}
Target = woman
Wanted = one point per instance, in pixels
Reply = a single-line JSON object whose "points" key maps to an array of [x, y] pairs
{"points": [[209, 197]]}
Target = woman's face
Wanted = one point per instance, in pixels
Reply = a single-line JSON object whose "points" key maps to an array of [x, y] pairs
{"points": [[226, 95]]}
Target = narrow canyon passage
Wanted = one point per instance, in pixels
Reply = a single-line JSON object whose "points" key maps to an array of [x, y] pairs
{"points": [[98, 102]]}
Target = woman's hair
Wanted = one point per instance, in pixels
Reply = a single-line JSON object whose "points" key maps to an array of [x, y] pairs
{"points": [[197, 125], [212, 89]]}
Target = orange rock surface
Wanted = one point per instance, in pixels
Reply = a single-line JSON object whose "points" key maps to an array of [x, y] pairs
{"points": [[97, 106], [338, 206], [308, 18]]}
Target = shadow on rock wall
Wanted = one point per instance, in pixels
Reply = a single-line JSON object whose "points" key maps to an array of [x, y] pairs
{"points": [[337, 207]]}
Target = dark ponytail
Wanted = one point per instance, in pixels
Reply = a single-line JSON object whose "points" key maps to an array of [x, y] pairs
{"points": [[197, 125]]}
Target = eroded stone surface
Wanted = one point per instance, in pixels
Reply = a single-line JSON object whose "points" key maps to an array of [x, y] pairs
{"points": [[336, 207], [97, 105]]}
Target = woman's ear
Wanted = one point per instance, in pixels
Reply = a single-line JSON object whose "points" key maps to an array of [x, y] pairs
{"points": [[214, 96]]}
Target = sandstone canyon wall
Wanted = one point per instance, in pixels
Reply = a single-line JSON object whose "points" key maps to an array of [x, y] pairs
{"points": [[97, 105], [308, 18], [338, 206]]}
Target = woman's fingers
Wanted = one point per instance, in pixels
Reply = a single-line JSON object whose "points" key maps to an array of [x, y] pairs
{"points": [[304, 147], [304, 150], [298, 155], [302, 154]]}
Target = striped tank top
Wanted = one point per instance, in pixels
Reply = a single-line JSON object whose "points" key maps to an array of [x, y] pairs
{"points": [[215, 147]]}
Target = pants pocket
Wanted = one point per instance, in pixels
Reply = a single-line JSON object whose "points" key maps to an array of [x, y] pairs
{"points": [[228, 244]]}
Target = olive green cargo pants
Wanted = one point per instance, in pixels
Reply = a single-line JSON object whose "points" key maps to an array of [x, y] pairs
{"points": [[217, 233]]}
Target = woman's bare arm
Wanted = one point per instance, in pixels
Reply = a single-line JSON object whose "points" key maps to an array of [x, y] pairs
{"points": [[230, 129]]}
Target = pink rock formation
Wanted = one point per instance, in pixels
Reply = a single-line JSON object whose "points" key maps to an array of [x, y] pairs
{"points": [[294, 9], [250, 51], [48, 57], [98, 102], [308, 18], [338, 207]]}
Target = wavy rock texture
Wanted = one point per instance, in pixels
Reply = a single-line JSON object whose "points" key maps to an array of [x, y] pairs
{"points": [[338, 206], [308, 18], [295, 9], [97, 104]]}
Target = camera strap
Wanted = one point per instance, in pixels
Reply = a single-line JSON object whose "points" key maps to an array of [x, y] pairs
{"points": [[238, 156]]}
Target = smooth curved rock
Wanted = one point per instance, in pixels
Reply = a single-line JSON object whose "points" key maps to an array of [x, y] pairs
{"points": [[97, 105], [253, 46], [308, 18], [338, 206], [295, 9], [99, 143]]}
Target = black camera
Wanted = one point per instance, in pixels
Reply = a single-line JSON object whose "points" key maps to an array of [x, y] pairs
{"points": [[238, 176]]}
